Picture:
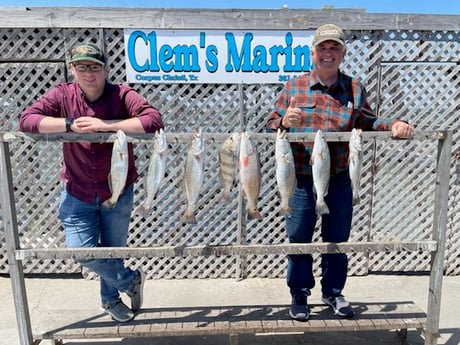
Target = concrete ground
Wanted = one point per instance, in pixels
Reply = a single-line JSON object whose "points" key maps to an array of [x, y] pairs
{"points": [[50, 293]]}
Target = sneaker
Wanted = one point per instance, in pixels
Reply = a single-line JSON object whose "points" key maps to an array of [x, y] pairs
{"points": [[339, 305], [138, 291], [299, 309], [118, 311]]}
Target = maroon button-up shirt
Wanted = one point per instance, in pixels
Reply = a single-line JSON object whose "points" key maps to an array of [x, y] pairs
{"points": [[86, 165]]}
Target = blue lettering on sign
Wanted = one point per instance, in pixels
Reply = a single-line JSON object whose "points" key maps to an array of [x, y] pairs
{"points": [[180, 58], [131, 51], [147, 78], [242, 56], [212, 63], [241, 61], [258, 59]]}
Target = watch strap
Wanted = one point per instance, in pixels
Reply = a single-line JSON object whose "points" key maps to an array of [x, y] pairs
{"points": [[68, 124]]}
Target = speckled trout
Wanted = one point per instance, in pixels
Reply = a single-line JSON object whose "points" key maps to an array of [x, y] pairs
{"points": [[118, 168], [250, 175], [194, 173], [156, 171], [355, 162], [285, 171], [321, 168], [227, 163]]}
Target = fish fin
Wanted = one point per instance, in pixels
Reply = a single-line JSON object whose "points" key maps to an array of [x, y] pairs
{"points": [[254, 214], [109, 179], [245, 160]]}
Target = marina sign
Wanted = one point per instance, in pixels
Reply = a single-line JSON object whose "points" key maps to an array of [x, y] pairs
{"points": [[215, 56]]}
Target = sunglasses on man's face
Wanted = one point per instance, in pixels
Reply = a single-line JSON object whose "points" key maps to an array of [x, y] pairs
{"points": [[84, 68]]}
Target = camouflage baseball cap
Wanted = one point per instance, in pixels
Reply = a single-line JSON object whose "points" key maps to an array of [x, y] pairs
{"points": [[328, 32], [87, 52]]}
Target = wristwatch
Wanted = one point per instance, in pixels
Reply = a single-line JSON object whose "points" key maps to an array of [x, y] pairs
{"points": [[68, 124]]}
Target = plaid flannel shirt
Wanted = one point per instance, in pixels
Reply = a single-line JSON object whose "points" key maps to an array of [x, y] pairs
{"points": [[341, 107]]}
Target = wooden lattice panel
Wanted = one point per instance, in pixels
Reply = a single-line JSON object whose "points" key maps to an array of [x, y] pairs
{"points": [[30, 43], [453, 238], [420, 93], [453, 215], [403, 200], [364, 68], [22, 83], [420, 46]]}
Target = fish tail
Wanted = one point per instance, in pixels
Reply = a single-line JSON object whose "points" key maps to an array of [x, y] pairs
{"points": [[321, 207], [285, 210], [225, 197], [109, 203], [254, 214], [356, 200], [189, 217], [143, 210]]}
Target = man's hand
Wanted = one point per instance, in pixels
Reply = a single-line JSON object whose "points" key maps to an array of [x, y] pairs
{"points": [[88, 124], [292, 118], [401, 129]]}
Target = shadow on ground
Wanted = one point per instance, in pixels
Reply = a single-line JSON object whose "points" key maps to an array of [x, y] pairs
{"points": [[329, 338]]}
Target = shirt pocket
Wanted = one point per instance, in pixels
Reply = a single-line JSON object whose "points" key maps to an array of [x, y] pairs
{"points": [[339, 116], [309, 111]]}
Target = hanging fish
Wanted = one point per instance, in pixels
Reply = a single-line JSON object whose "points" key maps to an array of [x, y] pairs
{"points": [[285, 170], [321, 168], [355, 162], [156, 171], [227, 163], [194, 173], [250, 175], [118, 169]]}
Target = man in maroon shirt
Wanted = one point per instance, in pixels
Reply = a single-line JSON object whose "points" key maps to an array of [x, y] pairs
{"points": [[92, 104]]}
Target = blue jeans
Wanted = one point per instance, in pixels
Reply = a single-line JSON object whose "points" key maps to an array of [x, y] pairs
{"points": [[91, 225], [336, 225]]}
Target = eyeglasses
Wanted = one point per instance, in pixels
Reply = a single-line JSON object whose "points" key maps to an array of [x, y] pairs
{"points": [[84, 68]]}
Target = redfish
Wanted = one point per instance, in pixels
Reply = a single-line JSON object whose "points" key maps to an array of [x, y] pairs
{"points": [[250, 175]]}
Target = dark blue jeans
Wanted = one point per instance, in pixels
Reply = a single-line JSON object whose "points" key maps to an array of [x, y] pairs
{"points": [[336, 225], [92, 225]]}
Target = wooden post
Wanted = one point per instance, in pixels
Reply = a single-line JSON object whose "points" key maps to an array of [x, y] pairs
{"points": [[439, 235], [12, 243], [241, 260]]}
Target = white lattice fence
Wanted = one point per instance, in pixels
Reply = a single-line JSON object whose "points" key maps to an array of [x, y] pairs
{"points": [[398, 177]]}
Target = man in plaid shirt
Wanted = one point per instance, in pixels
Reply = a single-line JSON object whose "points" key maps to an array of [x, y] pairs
{"points": [[329, 100]]}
